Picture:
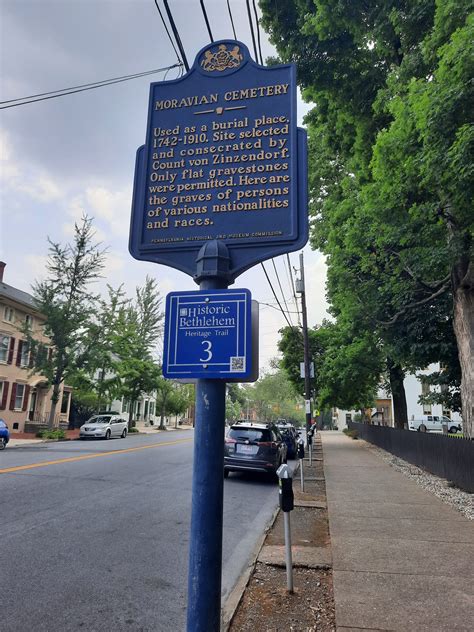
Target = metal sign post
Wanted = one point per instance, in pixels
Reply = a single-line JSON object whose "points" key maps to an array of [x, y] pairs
{"points": [[205, 545], [220, 185]]}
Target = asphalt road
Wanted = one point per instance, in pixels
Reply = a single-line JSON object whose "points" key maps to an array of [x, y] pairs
{"points": [[94, 537]]}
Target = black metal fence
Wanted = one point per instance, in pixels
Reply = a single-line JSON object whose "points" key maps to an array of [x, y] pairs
{"points": [[447, 457]]}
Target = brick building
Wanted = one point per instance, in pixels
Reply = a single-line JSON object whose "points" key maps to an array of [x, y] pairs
{"points": [[25, 398]]}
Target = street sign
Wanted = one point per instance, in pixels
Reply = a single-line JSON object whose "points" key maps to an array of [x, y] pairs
{"points": [[208, 334], [223, 161], [311, 369]]}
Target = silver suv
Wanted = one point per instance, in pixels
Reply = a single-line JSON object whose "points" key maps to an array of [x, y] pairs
{"points": [[105, 427], [255, 447]]}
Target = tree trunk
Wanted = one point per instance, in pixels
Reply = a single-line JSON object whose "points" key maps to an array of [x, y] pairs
{"points": [[463, 325], [162, 417], [130, 415], [54, 403], [396, 376]]}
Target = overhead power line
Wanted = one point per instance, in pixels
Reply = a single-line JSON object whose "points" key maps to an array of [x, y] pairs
{"points": [[281, 290], [276, 297], [273, 307], [251, 29], [231, 19], [54, 94], [204, 12], [167, 30], [258, 32], [176, 34]]}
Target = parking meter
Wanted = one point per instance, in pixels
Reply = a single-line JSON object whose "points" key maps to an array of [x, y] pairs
{"points": [[285, 482], [300, 449]]}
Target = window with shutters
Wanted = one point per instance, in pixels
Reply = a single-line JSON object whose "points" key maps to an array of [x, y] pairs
{"points": [[4, 347], [8, 314], [25, 354], [19, 395]]}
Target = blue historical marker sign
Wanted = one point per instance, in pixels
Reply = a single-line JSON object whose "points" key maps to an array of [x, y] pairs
{"points": [[208, 334], [224, 161]]}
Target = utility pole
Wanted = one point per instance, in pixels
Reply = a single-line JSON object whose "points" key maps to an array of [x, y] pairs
{"points": [[300, 288]]}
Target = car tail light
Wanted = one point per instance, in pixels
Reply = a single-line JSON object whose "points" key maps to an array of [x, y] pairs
{"points": [[230, 440], [267, 444]]}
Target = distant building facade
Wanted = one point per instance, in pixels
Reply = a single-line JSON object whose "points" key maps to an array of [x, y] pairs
{"points": [[25, 399], [383, 414]]}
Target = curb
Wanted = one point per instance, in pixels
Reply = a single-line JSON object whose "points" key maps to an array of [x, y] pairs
{"points": [[233, 600]]}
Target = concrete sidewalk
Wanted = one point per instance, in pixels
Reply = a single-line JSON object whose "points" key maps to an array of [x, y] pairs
{"points": [[402, 559]]}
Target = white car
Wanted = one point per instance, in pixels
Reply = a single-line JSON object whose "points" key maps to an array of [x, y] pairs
{"points": [[434, 423], [105, 427]]}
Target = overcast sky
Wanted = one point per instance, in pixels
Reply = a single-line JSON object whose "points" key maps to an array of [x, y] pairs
{"points": [[75, 154]]}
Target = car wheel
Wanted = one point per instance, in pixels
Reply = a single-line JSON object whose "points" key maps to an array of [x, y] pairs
{"points": [[226, 473], [107, 434], [124, 433], [422, 428], [3, 443], [453, 430]]}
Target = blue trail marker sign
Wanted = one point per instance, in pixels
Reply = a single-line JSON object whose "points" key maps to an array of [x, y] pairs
{"points": [[208, 334], [223, 161]]}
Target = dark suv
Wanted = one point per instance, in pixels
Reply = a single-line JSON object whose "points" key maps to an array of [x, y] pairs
{"points": [[290, 437], [255, 447]]}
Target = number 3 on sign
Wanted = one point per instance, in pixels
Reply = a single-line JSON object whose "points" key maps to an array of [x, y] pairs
{"points": [[206, 350]]}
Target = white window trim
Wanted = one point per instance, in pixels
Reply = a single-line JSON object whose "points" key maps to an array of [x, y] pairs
{"points": [[27, 363], [12, 310], [3, 334], [22, 396]]}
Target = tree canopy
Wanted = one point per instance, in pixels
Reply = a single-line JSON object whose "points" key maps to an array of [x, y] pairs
{"points": [[68, 304], [390, 175]]}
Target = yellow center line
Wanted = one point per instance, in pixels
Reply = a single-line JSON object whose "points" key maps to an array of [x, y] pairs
{"points": [[90, 456]]}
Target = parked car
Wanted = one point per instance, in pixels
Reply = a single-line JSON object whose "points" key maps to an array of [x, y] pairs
{"points": [[290, 437], [105, 427], [4, 435], [434, 423], [253, 446]]}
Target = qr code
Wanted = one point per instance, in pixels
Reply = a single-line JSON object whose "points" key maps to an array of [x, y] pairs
{"points": [[237, 363]]}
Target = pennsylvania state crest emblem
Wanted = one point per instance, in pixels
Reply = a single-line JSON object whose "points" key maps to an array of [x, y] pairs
{"points": [[221, 59]]}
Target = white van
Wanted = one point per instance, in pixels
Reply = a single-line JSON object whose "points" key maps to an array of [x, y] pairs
{"points": [[433, 423]]}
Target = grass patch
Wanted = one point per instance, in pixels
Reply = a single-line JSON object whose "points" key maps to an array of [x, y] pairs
{"points": [[51, 434], [133, 430]]}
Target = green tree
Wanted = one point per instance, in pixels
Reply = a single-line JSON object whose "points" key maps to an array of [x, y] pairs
{"points": [[138, 327], [171, 398], [390, 170], [66, 301], [96, 378], [273, 397], [137, 376], [347, 368]]}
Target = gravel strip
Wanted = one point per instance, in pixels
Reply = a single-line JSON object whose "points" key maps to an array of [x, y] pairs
{"points": [[440, 487]]}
